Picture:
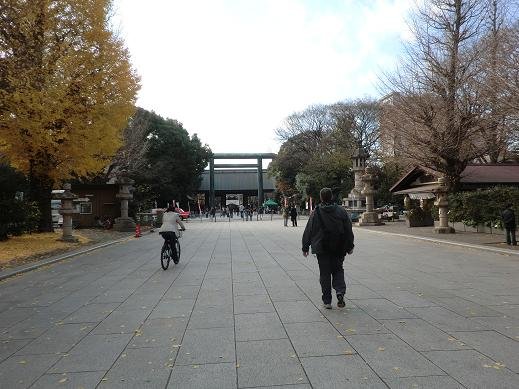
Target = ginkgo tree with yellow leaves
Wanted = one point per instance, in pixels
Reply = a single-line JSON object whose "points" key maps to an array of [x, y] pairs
{"points": [[67, 89]]}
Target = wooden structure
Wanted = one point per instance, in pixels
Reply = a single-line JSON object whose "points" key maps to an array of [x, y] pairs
{"points": [[95, 200]]}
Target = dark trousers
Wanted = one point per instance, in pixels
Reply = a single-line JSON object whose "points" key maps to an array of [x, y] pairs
{"points": [[331, 275], [510, 236], [294, 221], [170, 237]]}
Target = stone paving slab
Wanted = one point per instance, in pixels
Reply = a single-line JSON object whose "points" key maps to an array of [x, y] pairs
{"points": [[159, 332], [347, 371], [57, 340], [268, 362], [390, 356], [87, 380], [353, 320], [493, 345], [316, 339], [431, 382], [204, 317], [202, 346], [140, 368], [122, 321], [383, 309], [9, 347], [22, 371], [298, 312], [212, 376], [446, 320], [474, 370], [243, 309], [258, 326], [91, 313], [423, 336], [94, 352]]}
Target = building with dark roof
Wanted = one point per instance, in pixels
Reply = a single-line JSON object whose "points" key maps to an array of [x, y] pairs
{"points": [[243, 182], [421, 182]]}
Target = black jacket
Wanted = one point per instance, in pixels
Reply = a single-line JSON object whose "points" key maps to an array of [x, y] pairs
{"points": [[508, 217], [336, 219]]}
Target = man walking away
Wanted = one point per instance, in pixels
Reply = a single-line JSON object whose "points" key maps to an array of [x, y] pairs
{"points": [[508, 217], [293, 216], [329, 232]]}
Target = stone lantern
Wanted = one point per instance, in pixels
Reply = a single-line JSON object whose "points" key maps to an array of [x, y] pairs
{"points": [[67, 210], [369, 217], [124, 223], [359, 157], [442, 204], [407, 202]]}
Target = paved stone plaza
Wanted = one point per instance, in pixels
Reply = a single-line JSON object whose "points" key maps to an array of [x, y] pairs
{"points": [[243, 309]]}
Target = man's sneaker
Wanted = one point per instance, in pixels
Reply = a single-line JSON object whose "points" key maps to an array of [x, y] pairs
{"points": [[340, 301], [327, 306]]}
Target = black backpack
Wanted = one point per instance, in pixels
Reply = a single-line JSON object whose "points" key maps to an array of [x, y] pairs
{"points": [[333, 242]]}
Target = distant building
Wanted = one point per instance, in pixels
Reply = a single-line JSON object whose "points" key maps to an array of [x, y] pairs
{"points": [[235, 185]]}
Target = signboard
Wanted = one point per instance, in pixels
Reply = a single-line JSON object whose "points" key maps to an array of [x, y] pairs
{"points": [[235, 199]]}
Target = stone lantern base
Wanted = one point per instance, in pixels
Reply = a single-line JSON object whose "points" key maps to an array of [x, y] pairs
{"points": [[124, 224], [369, 219], [444, 230]]}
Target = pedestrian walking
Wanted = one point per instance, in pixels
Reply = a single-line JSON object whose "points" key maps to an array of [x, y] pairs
{"points": [[508, 217], [293, 216], [286, 214], [329, 233]]}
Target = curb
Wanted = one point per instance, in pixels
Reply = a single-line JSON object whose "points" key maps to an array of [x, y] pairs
{"points": [[447, 242], [50, 261]]}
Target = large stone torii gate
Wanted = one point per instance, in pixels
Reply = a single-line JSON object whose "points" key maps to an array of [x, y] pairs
{"points": [[259, 157]]}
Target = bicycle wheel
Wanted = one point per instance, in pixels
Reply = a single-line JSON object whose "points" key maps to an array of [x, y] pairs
{"points": [[165, 256], [177, 246]]}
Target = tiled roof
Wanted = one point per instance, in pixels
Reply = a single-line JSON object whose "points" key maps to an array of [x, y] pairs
{"points": [[493, 174]]}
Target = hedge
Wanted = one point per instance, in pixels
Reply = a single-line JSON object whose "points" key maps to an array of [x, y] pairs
{"points": [[17, 217], [483, 206]]}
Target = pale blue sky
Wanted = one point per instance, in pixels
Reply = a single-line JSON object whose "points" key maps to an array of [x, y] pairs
{"points": [[232, 70]]}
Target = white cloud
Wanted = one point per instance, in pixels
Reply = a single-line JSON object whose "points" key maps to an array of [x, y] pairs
{"points": [[231, 70]]}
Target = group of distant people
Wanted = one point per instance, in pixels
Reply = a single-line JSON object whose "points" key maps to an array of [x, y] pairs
{"points": [[245, 212]]}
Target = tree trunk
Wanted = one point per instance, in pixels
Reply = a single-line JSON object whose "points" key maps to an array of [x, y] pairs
{"points": [[40, 191]]}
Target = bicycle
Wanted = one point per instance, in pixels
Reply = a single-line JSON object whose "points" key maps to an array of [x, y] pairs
{"points": [[167, 253]]}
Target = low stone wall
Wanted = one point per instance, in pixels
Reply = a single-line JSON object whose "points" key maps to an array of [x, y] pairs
{"points": [[480, 228]]}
